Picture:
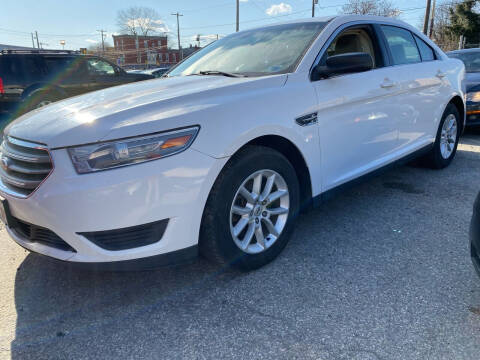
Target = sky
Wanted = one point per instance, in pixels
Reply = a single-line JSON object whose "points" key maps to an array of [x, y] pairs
{"points": [[77, 22]]}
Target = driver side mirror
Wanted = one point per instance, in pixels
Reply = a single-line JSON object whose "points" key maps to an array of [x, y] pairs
{"points": [[343, 64]]}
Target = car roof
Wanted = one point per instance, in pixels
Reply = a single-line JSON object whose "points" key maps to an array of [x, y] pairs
{"points": [[339, 18]]}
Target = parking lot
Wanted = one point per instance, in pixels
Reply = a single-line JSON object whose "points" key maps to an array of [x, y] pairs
{"points": [[380, 272]]}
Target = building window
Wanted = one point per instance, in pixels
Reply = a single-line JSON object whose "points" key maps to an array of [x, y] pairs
{"points": [[136, 43], [145, 44], [167, 58], [122, 44], [174, 58], [159, 44]]}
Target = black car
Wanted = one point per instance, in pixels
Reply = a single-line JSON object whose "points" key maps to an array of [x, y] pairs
{"points": [[471, 59], [31, 79], [475, 235]]}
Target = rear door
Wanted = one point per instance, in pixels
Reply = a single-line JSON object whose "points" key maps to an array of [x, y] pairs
{"points": [[356, 114], [417, 79], [68, 73]]}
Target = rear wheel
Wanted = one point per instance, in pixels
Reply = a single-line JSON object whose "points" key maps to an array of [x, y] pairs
{"points": [[446, 142], [250, 212]]}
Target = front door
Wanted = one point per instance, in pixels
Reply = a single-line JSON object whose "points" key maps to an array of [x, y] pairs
{"points": [[357, 127], [102, 74]]}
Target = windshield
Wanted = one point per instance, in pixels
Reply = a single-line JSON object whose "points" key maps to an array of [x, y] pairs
{"points": [[266, 51], [470, 59]]}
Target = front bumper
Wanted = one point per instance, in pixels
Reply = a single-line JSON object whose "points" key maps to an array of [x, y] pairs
{"points": [[473, 114], [174, 188]]}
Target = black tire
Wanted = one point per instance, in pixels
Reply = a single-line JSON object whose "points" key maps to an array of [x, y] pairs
{"points": [[216, 240], [434, 158]]}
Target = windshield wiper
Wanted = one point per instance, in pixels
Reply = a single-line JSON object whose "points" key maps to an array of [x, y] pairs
{"points": [[216, 72]]}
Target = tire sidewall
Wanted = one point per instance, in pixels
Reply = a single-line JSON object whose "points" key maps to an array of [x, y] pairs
{"points": [[232, 179], [438, 158]]}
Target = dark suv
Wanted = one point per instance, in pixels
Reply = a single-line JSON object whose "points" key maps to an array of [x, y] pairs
{"points": [[31, 79]]}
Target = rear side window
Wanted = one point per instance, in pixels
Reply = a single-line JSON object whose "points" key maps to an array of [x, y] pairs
{"points": [[9, 70], [20, 68], [426, 51], [58, 64], [402, 45], [33, 68]]}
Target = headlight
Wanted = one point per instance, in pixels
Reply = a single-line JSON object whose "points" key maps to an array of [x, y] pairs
{"points": [[113, 154], [473, 96]]}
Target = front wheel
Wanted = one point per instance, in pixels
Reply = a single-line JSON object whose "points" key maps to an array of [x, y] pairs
{"points": [[250, 212], [446, 142]]}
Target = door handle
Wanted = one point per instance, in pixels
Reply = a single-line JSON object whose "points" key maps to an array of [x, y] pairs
{"points": [[387, 84], [441, 74]]}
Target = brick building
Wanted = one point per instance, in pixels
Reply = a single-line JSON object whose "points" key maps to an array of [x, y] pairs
{"points": [[134, 50]]}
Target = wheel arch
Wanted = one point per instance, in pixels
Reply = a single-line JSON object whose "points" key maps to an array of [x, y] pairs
{"points": [[43, 87], [460, 105], [294, 156]]}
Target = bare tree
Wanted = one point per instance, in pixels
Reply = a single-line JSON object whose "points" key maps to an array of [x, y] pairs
{"points": [[441, 24], [140, 21], [371, 7]]}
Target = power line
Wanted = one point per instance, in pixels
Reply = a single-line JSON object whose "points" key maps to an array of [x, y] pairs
{"points": [[47, 35]]}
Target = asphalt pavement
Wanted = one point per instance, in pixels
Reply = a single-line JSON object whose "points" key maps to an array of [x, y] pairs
{"points": [[380, 272]]}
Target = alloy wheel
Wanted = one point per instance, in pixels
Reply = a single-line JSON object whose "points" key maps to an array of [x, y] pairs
{"points": [[259, 211], [448, 136]]}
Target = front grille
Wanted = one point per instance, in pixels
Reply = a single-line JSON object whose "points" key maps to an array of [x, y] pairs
{"points": [[23, 166], [128, 238], [37, 234]]}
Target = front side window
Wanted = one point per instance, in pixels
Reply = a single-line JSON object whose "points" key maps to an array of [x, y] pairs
{"points": [[352, 41], [402, 45], [270, 50], [99, 67]]}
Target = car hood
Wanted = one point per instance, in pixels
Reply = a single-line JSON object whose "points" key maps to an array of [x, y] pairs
{"points": [[473, 81], [135, 109]]}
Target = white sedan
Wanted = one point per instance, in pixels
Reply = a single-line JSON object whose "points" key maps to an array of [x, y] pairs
{"points": [[220, 157]]}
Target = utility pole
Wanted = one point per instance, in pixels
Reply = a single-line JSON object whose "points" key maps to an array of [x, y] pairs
{"points": [[103, 40], [33, 42], [238, 16], [314, 2], [432, 21], [36, 35], [427, 17], [178, 34]]}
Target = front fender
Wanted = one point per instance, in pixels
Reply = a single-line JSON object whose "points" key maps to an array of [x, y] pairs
{"points": [[234, 125]]}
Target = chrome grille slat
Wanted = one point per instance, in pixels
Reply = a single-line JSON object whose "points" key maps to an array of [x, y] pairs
{"points": [[13, 153], [23, 166], [18, 181], [30, 169]]}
